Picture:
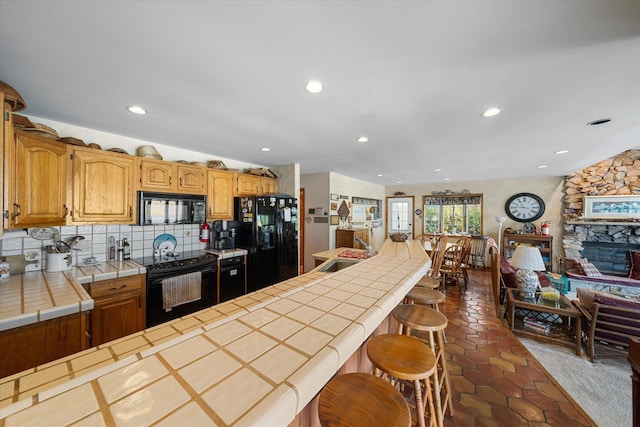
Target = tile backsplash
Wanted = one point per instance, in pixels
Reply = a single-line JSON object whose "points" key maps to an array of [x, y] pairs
{"points": [[95, 243]]}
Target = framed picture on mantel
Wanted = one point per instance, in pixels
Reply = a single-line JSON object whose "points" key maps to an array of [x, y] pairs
{"points": [[611, 207]]}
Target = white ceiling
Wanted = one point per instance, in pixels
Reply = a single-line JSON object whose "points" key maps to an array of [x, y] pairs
{"points": [[226, 78]]}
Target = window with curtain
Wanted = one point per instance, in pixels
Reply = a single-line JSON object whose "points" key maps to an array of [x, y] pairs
{"points": [[453, 213]]}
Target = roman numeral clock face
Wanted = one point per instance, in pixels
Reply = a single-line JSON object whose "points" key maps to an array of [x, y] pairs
{"points": [[524, 207]]}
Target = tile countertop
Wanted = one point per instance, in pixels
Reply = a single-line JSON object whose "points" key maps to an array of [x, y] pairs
{"points": [[36, 296], [227, 253], [253, 361], [335, 253]]}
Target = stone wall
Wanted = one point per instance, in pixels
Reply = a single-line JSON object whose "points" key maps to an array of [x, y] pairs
{"points": [[618, 175]]}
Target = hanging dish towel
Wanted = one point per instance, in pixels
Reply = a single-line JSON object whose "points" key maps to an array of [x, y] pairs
{"points": [[181, 290]]}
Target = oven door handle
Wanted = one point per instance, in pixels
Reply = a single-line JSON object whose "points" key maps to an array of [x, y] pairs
{"points": [[158, 279]]}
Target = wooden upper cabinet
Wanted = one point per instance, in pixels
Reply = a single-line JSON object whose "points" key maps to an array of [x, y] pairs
{"points": [[103, 187], [38, 181], [252, 185], [191, 179], [268, 185], [156, 175], [247, 185], [159, 175], [219, 195]]}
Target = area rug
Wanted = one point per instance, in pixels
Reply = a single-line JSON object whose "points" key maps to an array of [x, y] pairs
{"points": [[602, 389]]}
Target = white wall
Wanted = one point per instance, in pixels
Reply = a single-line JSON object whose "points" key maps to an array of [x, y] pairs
{"points": [[495, 195], [316, 235], [341, 184], [318, 188], [130, 145]]}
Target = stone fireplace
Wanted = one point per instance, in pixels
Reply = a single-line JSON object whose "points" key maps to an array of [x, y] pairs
{"points": [[605, 243], [606, 246], [609, 257]]}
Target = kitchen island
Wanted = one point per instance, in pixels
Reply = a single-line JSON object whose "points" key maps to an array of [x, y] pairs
{"points": [[256, 360]]}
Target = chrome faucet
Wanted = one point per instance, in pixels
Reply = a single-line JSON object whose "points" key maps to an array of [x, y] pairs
{"points": [[366, 246]]}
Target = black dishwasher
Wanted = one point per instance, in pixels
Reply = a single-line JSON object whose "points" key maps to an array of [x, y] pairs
{"points": [[232, 278]]}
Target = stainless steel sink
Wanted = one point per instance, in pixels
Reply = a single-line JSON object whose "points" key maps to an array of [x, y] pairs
{"points": [[334, 265]]}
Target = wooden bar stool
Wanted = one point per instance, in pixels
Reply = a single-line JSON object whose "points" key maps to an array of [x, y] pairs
{"points": [[428, 282], [404, 358], [362, 400], [425, 296], [428, 325]]}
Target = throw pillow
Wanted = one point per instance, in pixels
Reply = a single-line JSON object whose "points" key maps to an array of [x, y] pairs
{"points": [[590, 270], [508, 273], [582, 261], [634, 272]]}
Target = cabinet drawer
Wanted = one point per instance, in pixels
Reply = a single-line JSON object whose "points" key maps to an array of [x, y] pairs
{"points": [[116, 286]]}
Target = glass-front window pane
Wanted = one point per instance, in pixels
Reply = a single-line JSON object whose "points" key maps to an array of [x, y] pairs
{"points": [[474, 218], [400, 216], [451, 214], [432, 218]]}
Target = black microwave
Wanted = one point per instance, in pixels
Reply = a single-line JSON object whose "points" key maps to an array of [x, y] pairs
{"points": [[169, 208]]}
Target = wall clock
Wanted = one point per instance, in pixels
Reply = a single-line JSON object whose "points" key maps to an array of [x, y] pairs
{"points": [[524, 207]]}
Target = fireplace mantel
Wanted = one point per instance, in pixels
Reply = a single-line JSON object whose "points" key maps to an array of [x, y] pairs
{"points": [[626, 224]]}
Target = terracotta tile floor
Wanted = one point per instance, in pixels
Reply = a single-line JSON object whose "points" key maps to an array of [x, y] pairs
{"points": [[494, 379]]}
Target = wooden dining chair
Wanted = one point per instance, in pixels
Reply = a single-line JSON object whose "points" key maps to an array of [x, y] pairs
{"points": [[463, 269], [423, 238], [450, 266], [437, 256]]}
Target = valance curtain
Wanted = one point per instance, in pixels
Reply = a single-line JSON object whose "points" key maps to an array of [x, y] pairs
{"points": [[453, 199]]}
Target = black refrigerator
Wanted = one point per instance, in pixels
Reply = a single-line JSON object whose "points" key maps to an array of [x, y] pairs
{"points": [[267, 226]]}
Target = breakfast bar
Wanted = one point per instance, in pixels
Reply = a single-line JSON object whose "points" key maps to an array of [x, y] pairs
{"points": [[257, 360]]}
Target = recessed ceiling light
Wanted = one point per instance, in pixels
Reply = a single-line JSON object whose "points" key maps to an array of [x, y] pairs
{"points": [[136, 110], [437, 170], [447, 179], [490, 112], [379, 174], [562, 151], [314, 86], [362, 139], [598, 122], [398, 182], [265, 149], [542, 166]]}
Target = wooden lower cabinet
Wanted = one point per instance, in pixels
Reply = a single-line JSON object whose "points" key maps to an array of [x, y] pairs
{"points": [[32, 345], [119, 308], [345, 238]]}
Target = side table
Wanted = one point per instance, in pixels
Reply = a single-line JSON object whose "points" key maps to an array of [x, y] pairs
{"points": [[550, 312]]}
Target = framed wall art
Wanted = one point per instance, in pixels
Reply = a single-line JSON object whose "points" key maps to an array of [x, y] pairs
{"points": [[611, 207]]}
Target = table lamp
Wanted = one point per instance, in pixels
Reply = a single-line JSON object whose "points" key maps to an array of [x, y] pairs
{"points": [[528, 260]]}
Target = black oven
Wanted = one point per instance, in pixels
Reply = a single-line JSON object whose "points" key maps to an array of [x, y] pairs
{"points": [[179, 266]]}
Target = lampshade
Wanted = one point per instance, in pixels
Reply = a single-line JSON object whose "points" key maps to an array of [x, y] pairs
{"points": [[500, 219], [528, 258]]}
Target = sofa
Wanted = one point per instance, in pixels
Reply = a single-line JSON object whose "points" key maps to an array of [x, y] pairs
{"points": [[609, 321], [583, 274], [606, 283]]}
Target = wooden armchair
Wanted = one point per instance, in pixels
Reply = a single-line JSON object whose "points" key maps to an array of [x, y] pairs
{"points": [[609, 322]]}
